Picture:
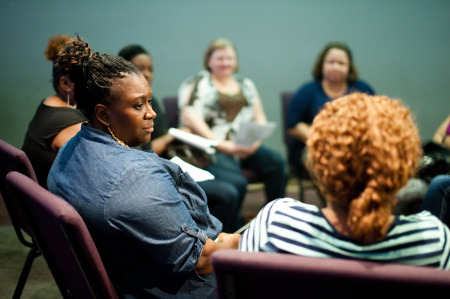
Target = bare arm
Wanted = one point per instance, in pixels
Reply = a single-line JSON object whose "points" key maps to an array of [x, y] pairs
{"points": [[300, 131], [225, 241], [65, 135], [441, 132], [259, 116], [196, 124], [160, 144]]}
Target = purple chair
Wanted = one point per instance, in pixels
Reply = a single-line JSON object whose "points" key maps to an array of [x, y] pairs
{"points": [[276, 275], [64, 240], [173, 114], [14, 159], [171, 109]]}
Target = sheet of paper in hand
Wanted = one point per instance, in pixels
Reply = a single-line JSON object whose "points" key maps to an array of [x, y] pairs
{"points": [[250, 132], [199, 175], [204, 144]]}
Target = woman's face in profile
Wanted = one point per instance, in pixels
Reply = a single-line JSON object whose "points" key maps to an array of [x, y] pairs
{"points": [[223, 62], [145, 64], [336, 66], [131, 115]]}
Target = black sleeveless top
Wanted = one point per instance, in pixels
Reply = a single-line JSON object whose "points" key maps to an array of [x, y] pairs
{"points": [[45, 125]]}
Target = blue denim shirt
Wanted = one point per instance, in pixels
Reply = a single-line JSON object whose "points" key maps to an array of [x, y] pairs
{"points": [[149, 220]]}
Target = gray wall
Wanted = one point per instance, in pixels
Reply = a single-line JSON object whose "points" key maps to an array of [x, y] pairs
{"points": [[401, 47]]}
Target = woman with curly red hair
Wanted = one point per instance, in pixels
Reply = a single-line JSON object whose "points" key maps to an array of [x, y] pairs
{"points": [[362, 150]]}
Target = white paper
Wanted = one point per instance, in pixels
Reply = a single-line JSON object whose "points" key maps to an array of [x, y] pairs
{"points": [[198, 174], [250, 132], [204, 144]]}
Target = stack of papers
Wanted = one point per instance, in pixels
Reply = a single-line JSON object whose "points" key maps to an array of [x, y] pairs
{"points": [[250, 132], [199, 175], [204, 144]]}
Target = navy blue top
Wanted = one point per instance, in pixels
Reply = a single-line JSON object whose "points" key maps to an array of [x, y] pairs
{"points": [[149, 220], [306, 104]]}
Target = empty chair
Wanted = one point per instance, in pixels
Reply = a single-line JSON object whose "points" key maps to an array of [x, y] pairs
{"points": [[64, 241], [274, 275], [14, 159]]}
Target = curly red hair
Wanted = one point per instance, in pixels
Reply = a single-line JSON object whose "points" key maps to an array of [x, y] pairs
{"points": [[362, 150]]}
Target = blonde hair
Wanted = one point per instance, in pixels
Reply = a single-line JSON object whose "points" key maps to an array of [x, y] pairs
{"points": [[219, 43], [54, 46], [363, 149]]}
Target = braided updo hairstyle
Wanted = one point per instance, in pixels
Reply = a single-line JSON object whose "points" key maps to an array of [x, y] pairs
{"points": [[363, 149], [92, 73], [54, 46]]}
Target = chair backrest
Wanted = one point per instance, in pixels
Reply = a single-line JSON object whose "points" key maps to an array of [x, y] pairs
{"points": [[14, 159], [172, 112], [285, 99], [268, 275], [64, 240]]}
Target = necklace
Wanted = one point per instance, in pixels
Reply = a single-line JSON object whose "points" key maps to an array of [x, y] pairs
{"points": [[117, 139]]}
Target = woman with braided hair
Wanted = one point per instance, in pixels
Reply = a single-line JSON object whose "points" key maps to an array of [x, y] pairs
{"points": [[362, 150], [149, 219], [56, 120]]}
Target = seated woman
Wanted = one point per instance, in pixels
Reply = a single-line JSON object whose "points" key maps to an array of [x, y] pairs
{"points": [[362, 149], [335, 75], [214, 104], [442, 133], [150, 221], [222, 196], [437, 198], [56, 120]]}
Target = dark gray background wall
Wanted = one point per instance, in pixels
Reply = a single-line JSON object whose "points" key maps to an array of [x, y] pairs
{"points": [[401, 47]]}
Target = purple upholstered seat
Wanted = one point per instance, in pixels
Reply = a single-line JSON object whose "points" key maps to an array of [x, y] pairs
{"points": [[274, 275], [14, 159], [64, 241]]}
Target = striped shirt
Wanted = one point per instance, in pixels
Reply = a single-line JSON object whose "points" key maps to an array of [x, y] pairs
{"points": [[289, 226]]}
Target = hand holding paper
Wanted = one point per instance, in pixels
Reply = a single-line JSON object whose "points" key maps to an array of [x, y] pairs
{"points": [[250, 132], [204, 144], [196, 173]]}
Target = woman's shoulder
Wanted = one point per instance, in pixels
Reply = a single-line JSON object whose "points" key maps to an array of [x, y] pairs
{"points": [[310, 87], [199, 76], [307, 92], [286, 204], [54, 119], [362, 86], [61, 113], [421, 220]]}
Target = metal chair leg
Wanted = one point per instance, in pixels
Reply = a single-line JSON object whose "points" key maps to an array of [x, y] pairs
{"points": [[32, 254]]}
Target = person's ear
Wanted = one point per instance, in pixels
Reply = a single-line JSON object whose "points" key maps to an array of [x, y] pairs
{"points": [[65, 83], [102, 114]]}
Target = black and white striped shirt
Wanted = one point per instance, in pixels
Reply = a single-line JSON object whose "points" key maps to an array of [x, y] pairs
{"points": [[289, 226]]}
